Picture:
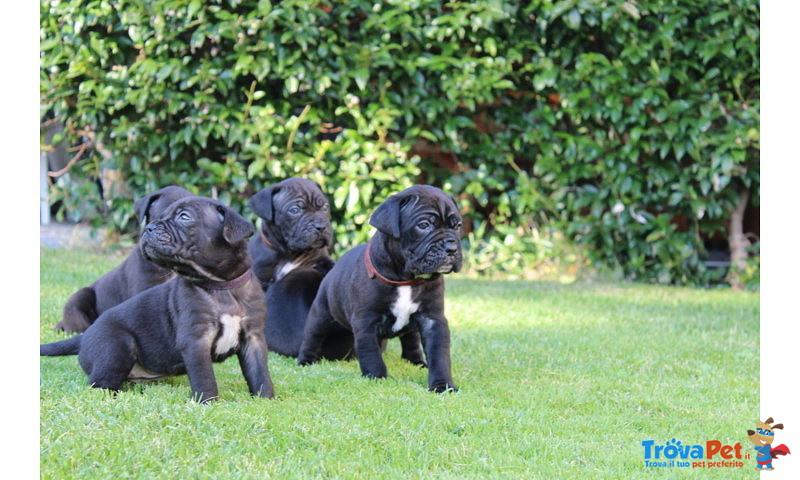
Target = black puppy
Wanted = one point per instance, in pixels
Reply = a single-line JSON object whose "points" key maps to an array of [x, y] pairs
{"points": [[212, 309], [132, 276], [290, 258], [393, 286]]}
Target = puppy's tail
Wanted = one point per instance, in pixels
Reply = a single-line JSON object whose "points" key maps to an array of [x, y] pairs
{"points": [[69, 346]]}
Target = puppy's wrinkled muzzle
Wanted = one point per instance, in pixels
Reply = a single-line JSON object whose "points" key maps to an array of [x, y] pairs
{"points": [[313, 236], [156, 242], [443, 256]]}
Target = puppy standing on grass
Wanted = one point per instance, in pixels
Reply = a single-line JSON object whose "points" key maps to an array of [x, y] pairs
{"points": [[212, 309], [393, 286], [290, 258], [132, 276]]}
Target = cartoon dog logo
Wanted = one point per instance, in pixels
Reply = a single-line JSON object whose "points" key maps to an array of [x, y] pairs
{"points": [[762, 438]]}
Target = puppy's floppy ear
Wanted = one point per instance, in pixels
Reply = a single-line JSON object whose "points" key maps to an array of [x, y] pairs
{"points": [[455, 203], [142, 206], [386, 218], [161, 198], [261, 203], [235, 228]]}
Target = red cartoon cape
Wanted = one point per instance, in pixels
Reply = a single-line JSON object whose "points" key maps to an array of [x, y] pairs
{"points": [[779, 450]]}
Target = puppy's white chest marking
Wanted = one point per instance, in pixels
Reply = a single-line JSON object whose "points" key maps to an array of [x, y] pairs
{"points": [[229, 333], [285, 269], [402, 308]]}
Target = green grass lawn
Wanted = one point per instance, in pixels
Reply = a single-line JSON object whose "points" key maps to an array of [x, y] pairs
{"points": [[557, 381]]}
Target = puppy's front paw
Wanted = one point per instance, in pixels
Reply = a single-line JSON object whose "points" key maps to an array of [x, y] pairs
{"points": [[442, 387], [204, 399], [268, 393]]}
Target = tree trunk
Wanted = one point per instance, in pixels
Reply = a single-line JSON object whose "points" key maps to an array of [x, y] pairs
{"points": [[737, 242]]}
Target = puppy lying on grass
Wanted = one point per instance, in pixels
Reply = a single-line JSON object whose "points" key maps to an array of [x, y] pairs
{"points": [[132, 276]]}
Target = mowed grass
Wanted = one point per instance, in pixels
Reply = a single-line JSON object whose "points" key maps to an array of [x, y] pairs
{"points": [[557, 381]]}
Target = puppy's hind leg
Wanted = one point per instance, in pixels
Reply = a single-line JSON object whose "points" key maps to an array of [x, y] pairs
{"points": [[107, 363], [319, 325], [412, 349], [79, 312], [339, 344]]}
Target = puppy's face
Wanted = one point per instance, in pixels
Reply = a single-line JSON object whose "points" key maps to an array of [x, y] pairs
{"points": [[426, 223], [198, 238], [296, 212], [153, 205]]}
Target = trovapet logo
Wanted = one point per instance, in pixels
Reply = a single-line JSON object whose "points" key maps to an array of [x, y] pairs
{"points": [[714, 453], [711, 454]]}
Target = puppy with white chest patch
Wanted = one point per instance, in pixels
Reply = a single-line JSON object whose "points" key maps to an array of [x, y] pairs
{"points": [[213, 308], [393, 286], [290, 258]]}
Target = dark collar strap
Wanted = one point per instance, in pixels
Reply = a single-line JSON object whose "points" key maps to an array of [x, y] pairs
{"points": [[230, 284], [372, 272], [266, 240]]}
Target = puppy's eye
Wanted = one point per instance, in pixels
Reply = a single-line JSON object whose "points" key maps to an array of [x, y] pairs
{"points": [[295, 210], [454, 222], [185, 217], [325, 207], [424, 225]]}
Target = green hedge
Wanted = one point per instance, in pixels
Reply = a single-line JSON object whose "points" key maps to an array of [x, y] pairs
{"points": [[628, 127]]}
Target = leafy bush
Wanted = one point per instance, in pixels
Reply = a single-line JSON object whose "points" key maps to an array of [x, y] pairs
{"points": [[630, 128]]}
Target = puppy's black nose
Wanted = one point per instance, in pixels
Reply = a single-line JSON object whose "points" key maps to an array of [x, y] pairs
{"points": [[750, 432], [451, 246], [150, 227], [320, 228]]}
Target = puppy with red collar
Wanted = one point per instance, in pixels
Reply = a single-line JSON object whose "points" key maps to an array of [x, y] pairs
{"points": [[393, 286]]}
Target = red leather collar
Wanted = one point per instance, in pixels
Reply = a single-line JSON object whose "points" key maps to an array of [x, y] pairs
{"points": [[372, 272], [229, 285]]}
